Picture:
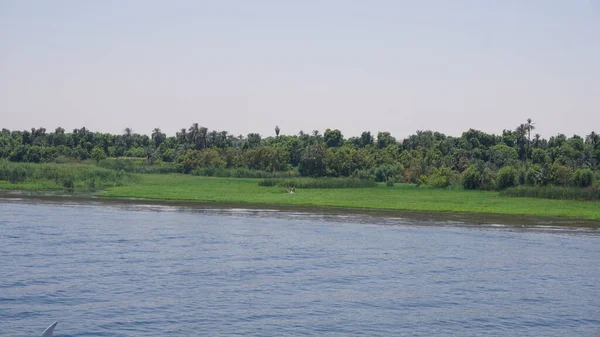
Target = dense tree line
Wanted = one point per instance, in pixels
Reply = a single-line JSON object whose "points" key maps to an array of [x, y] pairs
{"points": [[475, 160]]}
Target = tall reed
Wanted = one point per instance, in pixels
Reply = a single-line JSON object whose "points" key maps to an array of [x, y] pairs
{"points": [[554, 192], [241, 173], [330, 183], [65, 175]]}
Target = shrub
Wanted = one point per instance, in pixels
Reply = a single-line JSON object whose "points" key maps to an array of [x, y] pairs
{"points": [[385, 172], [440, 177], [583, 177], [507, 177], [478, 176], [471, 178], [560, 175]]}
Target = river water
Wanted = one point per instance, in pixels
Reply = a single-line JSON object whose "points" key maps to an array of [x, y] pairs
{"points": [[134, 270]]}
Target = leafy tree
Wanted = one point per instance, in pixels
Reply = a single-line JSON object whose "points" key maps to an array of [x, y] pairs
{"points": [[254, 140], [333, 138], [98, 154], [366, 139], [312, 162], [384, 139], [539, 156], [503, 155]]}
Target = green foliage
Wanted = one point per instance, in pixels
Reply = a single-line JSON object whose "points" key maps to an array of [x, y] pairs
{"points": [[442, 177], [583, 177], [386, 172], [503, 155], [195, 159], [137, 165], [326, 183], [312, 162], [241, 173], [416, 159], [136, 152], [554, 192], [64, 175], [478, 177], [385, 139], [560, 174], [471, 178], [98, 154], [540, 156], [265, 158], [507, 177], [333, 138]]}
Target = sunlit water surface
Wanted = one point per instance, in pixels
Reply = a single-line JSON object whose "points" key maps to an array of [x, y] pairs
{"points": [[109, 270]]}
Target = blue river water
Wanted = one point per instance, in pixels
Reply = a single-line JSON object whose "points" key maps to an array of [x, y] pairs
{"points": [[134, 270]]}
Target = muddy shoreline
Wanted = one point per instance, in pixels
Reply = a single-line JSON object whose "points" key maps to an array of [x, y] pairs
{"points": [[471, 218]]}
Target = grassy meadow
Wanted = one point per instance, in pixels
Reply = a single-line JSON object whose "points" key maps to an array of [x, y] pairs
{"points": [[398, 197]]}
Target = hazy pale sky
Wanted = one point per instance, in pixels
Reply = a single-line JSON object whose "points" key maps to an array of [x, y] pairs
{"points": [[246, 66]]}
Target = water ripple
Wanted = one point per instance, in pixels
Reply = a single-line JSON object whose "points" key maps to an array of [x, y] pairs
{"points": [[170, 271]]}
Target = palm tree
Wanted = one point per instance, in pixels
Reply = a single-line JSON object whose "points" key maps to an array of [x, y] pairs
{"points": [[128, 137], [537, 139], [530, 128], [155, 133], [593, 139], [182, 136], [157, 136], [521, 133], [193, 133]]}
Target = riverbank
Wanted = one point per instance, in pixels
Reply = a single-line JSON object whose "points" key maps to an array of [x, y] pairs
{"points": [[454, 218], [400, 197]]}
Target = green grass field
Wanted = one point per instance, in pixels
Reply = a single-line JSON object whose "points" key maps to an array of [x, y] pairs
{"points": [[399, 197]]}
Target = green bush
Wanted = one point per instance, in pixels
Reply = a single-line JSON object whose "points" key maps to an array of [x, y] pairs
{"points": [[471, 178], [478, 177], [560, 175], [583, 178], [441, 177], [507, 177], [385, 172]]}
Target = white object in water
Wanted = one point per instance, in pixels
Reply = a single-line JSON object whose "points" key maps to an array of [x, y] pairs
{"points": [[49, 330]]}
